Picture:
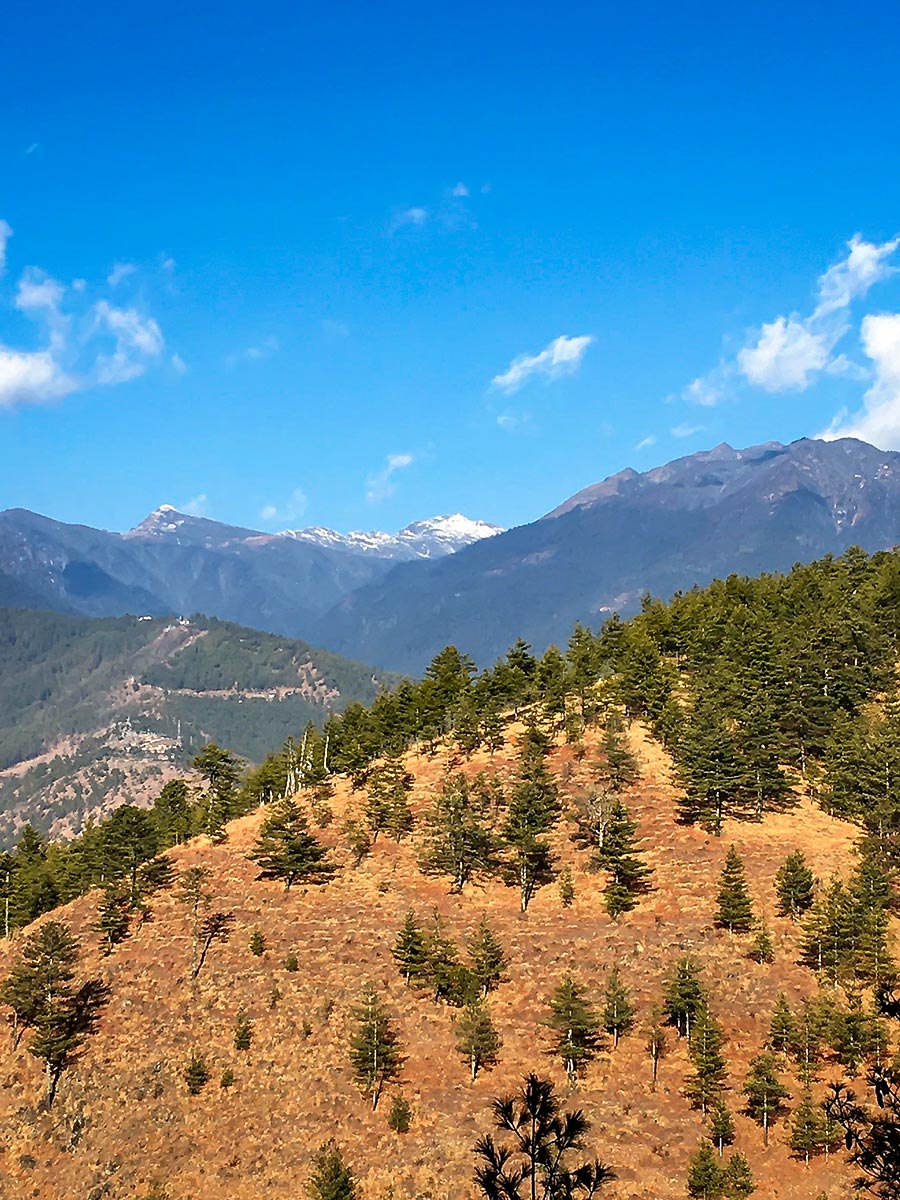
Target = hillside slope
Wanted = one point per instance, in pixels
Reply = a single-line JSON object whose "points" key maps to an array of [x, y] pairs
{"points": [[123, 1120], [96, 712], [702, 517]]}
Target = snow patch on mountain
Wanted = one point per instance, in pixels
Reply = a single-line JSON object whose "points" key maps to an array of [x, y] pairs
{"points": [[433, 538]]}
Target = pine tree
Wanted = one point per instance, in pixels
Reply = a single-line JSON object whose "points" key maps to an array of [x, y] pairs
{"points": [[765, 1092], [618, 854], [450, 979], [762, 949], [192, 892], [795, 885], [487, 956], [286, 850], [705, 1177], [566, 887], [112, 918], [709, 1072], [683, 995], [737, 1179], [411, 949], [782, 1028], [618, 767], [257, 944], [243, 1031], [457, 842], [573, 1019], [806, 1128], [196, 1073], [374, 1048], [400, 1115], [387, 803], [809, 1035], [476, 1038], [721, 1125], [532, 813], [331, 1178], [618, 1011], [735, 908]]}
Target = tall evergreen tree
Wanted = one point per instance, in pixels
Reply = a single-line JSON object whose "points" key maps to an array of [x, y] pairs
{"points": [[476, 1038], [782, 1027], [457, 840], [705, 1179], [721, 1125], [806, 1128], [532, 813], [573, 1019], [286, 850], [487, 956], [708, 1075], [331, 1178], [618, 1010], [735, 908], [619, 855], [411, 949], [795, 885], [683, 995], [374, 1045], [765, 1092]]}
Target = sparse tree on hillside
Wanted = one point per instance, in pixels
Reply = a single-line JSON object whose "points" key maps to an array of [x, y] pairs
{"points": [[683, 995], [721, 1125], [222, 771], [537, 1163], [215, 927], [705, 1179], [620, 856], [411, 949], [127, 839], [196, 1073], [476, 1038], [617, 767], [374, 1047], [331, 1178], [737, 1178], [806, 1128], [488, 958], [708, 1076], [735, 908], [795, 885], [573, 1019], [457, 841], [657, 1044], [762, 949], [112, 917], [387, 799], [532, 813], [192, 892], [286, 850], [243, 1030], [765, 1092], [782, 1029], [618, 1011]]}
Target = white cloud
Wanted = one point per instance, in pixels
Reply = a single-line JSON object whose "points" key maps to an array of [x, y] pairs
{"points": [[409, 218], [5, 234], [84, 345], [381, 485], [786, 356], [33, 148], [850, 279], [707, 390], [197, 506], [292, 510], [120, 271], [684, 430], [879, 419], [561, 357], [646, 442], [460, 191], [179, 366], [265, 349]]}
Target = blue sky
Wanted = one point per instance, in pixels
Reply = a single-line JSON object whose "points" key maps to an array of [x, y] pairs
{"points": [[355, 265]]}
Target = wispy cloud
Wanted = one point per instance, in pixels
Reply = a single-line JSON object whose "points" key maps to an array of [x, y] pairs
{"points": [[85, 345], [178, 365], [264, 349], [5, 234], [409, 218], [33, 148], [790, 352], [292, 510], [197, 506], [684, 430], [563, 356], [120, 271], [646, 442], [459, 191], [381, 484]]}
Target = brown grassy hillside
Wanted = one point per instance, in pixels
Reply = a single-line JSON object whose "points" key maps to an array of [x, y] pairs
{"points": [[123, 1119]]}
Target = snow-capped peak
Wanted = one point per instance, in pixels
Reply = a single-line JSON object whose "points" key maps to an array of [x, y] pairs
{"points": [[164, 519], [432, 538]]}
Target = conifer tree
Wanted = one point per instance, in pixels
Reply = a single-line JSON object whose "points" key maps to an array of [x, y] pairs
{"points": [[618, 767], [721, 1125], [765, 1092], [573, 1019], [532, 813], [243, 1031], [215, 927], [411, 949], [806, 1128], [708, 1076], [795, 886], [618, 855], [657, 1044], [451, 980], [810, 1030], [566, 887], [737, 1179], [112, 917], [331, 1178], [683, 995], [374, 1047], [192, 892], [735, 908], [705, 1176], [222, 770], [286, 850], [196, 1073], [762, 949], [476, 1038], [457, 842], [487, 956], [782, 1028], [618, 1010]]}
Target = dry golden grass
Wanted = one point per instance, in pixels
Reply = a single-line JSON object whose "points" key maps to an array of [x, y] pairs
{"points": [[123, 1118]]}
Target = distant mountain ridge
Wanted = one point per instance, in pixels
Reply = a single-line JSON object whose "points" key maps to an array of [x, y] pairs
{"points": [[704, 516], [173, 562]]}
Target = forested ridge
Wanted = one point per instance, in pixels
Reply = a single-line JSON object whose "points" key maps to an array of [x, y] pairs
{"points": [[647, 882]]}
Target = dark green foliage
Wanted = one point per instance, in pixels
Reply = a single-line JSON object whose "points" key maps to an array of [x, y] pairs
{"points": [[532, 813], [618, 1010], [113, 917], [721, 1125], [806, 1128], [286, 850], [683, 995], [451, 981], [40, 989], [196, 1073], [226, 1079], [221, 770], [618, 854], [457, 840], [243, 1031], [617, 767], [735, 908], [576, 1025], [762, 949], [411, 949], [657, 1043], [400, 1115], [705, 1179], [708, 1064], [872, 1138], [538, 1161], [387, 799], [257, 943], [566, 887], [795, 885], [765, 1092], [782, 1027], [374, 1047], [810, 1032], [476, 1038], [291, 964], [487, 957], [331, 1178], [737, 1178]]}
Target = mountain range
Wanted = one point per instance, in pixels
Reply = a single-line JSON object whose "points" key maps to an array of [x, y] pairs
{"points": [[396, 599]]}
